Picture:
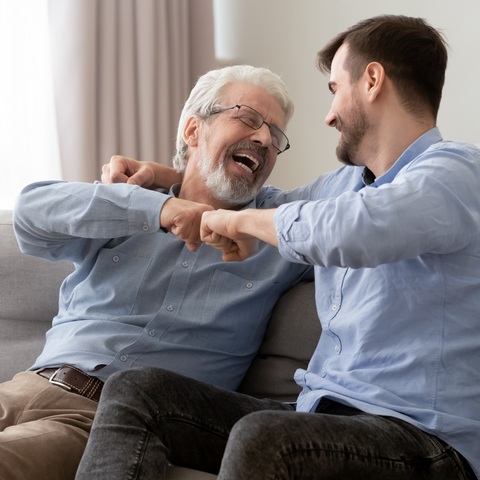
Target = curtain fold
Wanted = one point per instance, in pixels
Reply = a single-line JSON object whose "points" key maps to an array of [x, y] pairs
{"points": [[122, 71]]}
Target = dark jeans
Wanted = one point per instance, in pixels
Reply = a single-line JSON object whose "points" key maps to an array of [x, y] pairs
{"points": [[149, 417]]}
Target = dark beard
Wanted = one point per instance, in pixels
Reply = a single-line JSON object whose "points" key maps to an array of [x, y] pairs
{"points": [[352, 135]]}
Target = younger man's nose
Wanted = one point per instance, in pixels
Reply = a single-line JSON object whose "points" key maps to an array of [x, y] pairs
{"points": [[330, 119]]}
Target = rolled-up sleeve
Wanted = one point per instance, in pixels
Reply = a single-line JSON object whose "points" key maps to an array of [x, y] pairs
{"points": [[432, 206], [59, 220]]}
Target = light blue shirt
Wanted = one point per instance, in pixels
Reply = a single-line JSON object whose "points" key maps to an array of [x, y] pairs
{"points": [[138, 296], [397, 276]]}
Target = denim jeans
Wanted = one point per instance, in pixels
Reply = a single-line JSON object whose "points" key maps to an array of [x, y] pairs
{"points": [[149, 417]]}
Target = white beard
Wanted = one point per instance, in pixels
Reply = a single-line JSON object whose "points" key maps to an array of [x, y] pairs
{"points": [[234, 191]]}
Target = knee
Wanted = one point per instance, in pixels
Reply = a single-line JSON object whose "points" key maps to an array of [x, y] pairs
{"points": [[257, 430], [253, 446]]}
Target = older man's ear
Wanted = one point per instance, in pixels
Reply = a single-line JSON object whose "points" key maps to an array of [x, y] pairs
{"points": [[191, 131]]}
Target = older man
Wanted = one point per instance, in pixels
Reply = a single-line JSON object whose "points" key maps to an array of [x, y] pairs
{"points": [[139, 295], [392, 390]]}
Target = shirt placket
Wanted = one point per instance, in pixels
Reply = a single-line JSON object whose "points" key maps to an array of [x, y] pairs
{"points": [[168, 312], [333, 310]]}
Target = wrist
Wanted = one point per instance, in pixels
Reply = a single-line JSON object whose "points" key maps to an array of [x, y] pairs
{"points": [[258, 223], [247, 220]]}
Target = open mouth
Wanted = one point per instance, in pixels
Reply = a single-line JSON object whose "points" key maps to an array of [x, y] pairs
{"points": [[247, 162]]}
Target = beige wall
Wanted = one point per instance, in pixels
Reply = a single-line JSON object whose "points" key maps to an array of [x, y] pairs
{"points": [[284, 35]]}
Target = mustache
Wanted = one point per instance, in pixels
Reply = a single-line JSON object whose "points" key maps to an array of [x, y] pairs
{"points": [[244, 145]]}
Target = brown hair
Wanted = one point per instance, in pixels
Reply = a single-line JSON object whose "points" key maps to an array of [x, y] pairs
{"points": [[413, 54]]}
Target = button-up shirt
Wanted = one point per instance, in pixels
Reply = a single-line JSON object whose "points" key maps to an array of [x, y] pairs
{"points": [[397, 277], [138, 296]]}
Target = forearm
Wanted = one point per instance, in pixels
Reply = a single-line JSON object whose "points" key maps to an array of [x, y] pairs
{"points": [[149, 175], [164, 177], [51, 218], [431, 207]]}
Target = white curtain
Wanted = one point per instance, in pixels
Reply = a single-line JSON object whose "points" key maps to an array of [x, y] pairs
{"points": [[28, 135], [122, 71]]}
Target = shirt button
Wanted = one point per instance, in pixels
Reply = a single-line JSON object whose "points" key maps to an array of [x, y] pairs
{"points": [[145, 227], [249, 285], [185, 264], [170, 308], [334, 307], [116, 258], [337, 348], [151, 333], [123, 358]]}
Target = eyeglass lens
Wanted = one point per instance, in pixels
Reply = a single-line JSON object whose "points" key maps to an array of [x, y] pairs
{"points": [[254, 120]]}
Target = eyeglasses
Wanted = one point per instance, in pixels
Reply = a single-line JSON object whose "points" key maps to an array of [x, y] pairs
{"points": [[253, 119]]}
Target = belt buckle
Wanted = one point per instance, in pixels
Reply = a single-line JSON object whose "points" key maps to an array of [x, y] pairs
{"points": [[51, 380]]}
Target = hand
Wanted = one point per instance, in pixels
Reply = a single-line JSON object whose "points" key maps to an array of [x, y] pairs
{"points": [[220, 229], [183, 218], [127, 170]]}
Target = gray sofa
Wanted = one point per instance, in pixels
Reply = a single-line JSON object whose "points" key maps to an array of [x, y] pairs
{"points": [[29, 300]]}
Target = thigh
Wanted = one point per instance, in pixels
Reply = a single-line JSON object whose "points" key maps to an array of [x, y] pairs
{"points": [[44, 429], [310, 446], [154, 416], [197, 419]]}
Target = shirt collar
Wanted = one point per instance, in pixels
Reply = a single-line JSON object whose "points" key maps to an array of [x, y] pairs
{"points": [[175, 190], [413, 151]]}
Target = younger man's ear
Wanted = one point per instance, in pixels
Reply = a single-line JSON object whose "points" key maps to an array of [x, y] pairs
{"points": [[190, 132], [375, 77]]}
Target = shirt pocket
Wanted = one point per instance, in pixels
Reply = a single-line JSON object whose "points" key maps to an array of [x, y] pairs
{"points": [[111, 287], [235, 311]]}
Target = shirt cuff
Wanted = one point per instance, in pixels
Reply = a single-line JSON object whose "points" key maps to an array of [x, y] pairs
{"points": [[284, 219], [144, 210]]}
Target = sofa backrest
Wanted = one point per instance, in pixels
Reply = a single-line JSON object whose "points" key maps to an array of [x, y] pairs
{"points": [[292, 335], [28, 285], [29, 289], [28, 301]]}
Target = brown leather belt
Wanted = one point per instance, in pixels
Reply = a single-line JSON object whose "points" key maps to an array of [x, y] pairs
{"points": [[74, 380]]}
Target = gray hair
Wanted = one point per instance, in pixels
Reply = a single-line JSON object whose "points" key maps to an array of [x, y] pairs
{"points": [[208, 93]]}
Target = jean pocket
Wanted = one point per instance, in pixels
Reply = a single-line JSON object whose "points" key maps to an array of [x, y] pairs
{"points": [[460, 462]]}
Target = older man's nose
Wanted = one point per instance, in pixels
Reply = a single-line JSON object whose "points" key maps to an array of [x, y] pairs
{"points": [[262, 136]]}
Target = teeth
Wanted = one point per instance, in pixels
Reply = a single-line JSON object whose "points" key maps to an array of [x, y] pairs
{"points": [[249, 170], [253, 159]]}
